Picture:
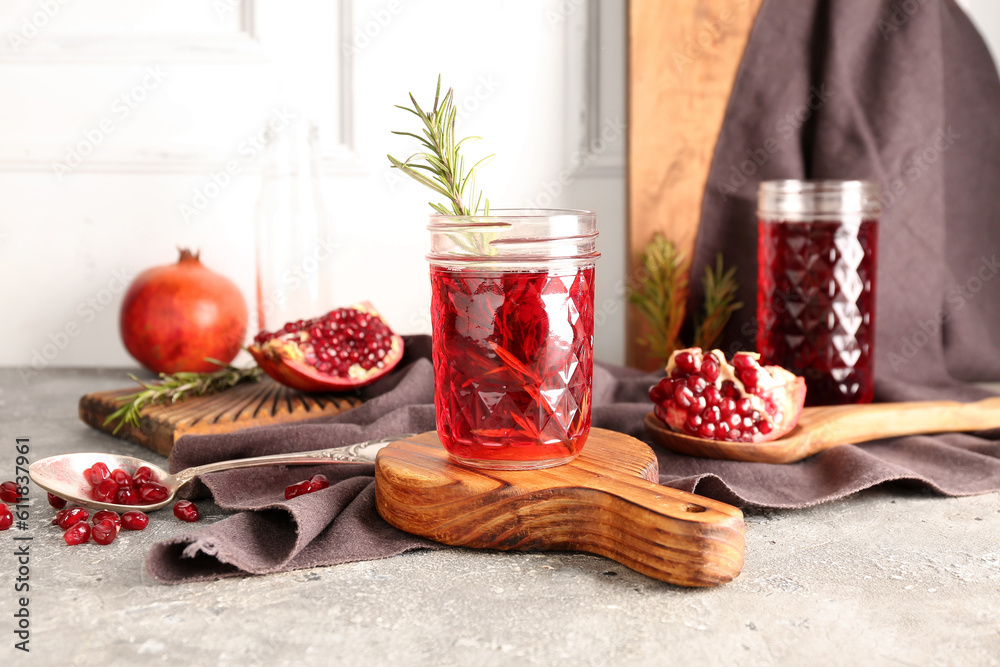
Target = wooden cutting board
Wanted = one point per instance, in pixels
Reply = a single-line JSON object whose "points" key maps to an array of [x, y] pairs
{"points": [[243, 406], [606, 502]]}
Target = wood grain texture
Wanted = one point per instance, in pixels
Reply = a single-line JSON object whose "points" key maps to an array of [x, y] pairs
{"points": [[605, 502], [683, 58], [824, 427], [243, 406]]}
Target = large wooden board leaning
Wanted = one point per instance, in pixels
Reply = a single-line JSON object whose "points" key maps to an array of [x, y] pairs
{"points": [[243, 406], [605, 502]]}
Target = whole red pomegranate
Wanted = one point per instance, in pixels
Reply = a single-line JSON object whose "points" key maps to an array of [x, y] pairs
{"points": [[344, 349], [175, 316], [705, 396]]}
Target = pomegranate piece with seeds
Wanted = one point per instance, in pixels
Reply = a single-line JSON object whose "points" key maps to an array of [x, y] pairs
{"points": [[6, 517], [134, 520], [10, 492], [185, 510], [78, 533], [55, 501], [104, 532], [344, 349], [705, 396]]}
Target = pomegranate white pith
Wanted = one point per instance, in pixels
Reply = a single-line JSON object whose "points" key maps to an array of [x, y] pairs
{"points": [[705, 396]]}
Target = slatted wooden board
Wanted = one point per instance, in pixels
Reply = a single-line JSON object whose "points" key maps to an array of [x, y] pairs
{"points": [[244, 406]]}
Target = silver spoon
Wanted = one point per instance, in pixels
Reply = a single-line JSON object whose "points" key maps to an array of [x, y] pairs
{"points": [[62, 475]]}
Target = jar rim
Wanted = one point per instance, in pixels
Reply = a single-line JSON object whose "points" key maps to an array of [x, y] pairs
{"points": [[502, 214]]}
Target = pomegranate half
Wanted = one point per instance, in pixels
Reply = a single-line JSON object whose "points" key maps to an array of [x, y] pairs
{"points": [[705, 396], [344, 349], [173, 317]]}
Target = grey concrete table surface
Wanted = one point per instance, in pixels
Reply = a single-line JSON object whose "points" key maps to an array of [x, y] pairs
{"points": [[890, 576]]}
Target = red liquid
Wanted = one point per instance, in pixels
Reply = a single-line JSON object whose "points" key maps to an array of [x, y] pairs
{"points": [[513, 363], [816, 306]]}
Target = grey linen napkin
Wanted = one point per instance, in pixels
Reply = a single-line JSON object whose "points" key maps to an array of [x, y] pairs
{"points": [[880, 91]]}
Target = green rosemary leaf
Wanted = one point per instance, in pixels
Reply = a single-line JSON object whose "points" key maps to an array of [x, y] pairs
{"points": [[720, 289]]}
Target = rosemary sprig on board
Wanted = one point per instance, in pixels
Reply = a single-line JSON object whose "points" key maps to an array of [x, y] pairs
{"points": [[177, 387], [720, 303], [663, 294], [441, 167]]}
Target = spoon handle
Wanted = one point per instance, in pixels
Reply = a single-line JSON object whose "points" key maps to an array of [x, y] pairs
{"points": [[855, 424], [362, 452]]}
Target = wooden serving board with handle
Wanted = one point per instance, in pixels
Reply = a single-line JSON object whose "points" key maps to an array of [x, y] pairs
{"points": [[606, 502], [243, 406]]}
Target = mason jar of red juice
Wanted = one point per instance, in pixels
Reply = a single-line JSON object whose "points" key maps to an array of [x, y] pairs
{"points": [[512, 312], [817, 253]]}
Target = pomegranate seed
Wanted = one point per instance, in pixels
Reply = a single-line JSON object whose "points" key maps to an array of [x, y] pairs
{"points": [[142, 475], [152, 493], [104, 532], [108, 515], [684, 396], [298, 489], [134, 520], [58, 517], [10, 492], [6, 517], [185, 510], [106, 491], [97, 473], [733, 420], [697, 405], [692, 424], [318, 482], [712, 395], [727, 407], [686, 362], [659, 392], [73, 516], [78, 533], [56, 501], [678, 374], [707, 430], [764, 427], [729, 389], [749, 377], [722, 428], [711, 414], [696, 383], [710, 369], [744, 407], [735, 435], [743, 361], [121, 477], [127, 496]]}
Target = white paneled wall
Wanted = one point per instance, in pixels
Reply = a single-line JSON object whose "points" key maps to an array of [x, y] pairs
{"points": [[118, 120]]}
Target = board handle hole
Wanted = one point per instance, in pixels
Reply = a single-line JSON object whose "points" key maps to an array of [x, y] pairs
{"points": [[694, 509]]}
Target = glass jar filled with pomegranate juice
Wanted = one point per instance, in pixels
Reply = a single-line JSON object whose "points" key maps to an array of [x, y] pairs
{"points": [[513, 335], [816, 255]]}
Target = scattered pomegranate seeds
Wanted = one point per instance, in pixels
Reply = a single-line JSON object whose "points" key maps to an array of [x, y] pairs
{"points": [[78, 533], [72, 517], [141, 476], [314, 483], [121, 477], [134, 520], [10, 492], [185, 510], [104, 532], [108, 515], [6, 518], [56, 501]]}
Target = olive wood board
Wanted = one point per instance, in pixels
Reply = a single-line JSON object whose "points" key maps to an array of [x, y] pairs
{"points": [[821, 428], [246, 405], [605, 502]]}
